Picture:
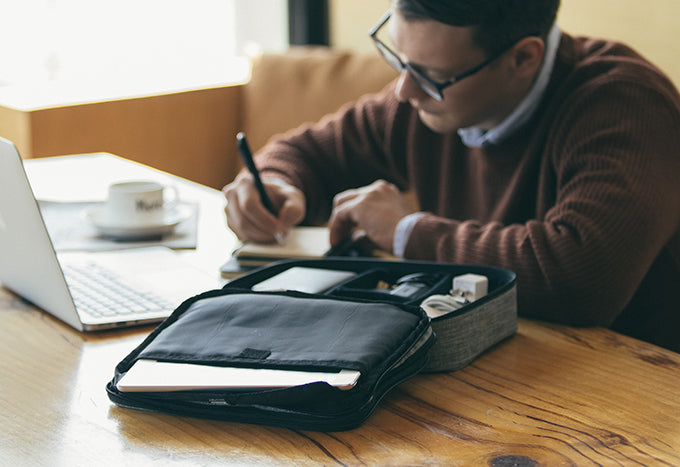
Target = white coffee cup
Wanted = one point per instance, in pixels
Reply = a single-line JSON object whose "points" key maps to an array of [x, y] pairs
{"points": [[138, 203]]}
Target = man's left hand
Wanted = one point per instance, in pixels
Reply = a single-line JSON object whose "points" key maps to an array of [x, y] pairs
{"points": [[376, 209]]}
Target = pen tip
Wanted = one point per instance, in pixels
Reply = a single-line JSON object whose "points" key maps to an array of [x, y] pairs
{"points": [[280, 238]]}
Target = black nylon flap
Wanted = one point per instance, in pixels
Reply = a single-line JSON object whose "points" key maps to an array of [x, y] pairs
{"points": [[280, 331]]}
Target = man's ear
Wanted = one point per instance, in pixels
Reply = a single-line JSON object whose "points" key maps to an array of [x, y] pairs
{"points": [[527, 55]]}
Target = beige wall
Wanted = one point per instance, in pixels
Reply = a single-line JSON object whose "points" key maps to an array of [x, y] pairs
{"points": [[351, 20], [648, 25]]}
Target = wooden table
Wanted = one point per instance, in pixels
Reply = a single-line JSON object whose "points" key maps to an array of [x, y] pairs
{"points": [[551, 395]]}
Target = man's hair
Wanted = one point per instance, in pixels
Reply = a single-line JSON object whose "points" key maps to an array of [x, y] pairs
{"points": [[497, 24]]}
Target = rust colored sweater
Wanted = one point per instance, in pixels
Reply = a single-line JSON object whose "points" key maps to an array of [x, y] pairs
{"points": [[583, 202]]}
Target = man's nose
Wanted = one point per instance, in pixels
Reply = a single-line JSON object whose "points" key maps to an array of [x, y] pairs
{"points": [[407, 87]]}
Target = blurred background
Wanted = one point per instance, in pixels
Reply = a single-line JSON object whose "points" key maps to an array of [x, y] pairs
{"points": [[165, 82], [207, 40]]}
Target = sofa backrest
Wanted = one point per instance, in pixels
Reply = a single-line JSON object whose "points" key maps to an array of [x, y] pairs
{"points": [[304, 84]]}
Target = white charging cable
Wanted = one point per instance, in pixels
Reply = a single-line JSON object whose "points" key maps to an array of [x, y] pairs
{"points": [[465, 289]]}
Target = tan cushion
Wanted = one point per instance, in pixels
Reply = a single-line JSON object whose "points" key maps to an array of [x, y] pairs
{"points": [[303, 85]]}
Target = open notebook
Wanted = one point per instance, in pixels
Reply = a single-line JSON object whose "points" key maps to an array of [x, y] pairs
{"points": [[301, 243]]}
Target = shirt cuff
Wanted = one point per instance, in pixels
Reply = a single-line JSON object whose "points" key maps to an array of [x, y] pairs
{"points": [[403, 232]]}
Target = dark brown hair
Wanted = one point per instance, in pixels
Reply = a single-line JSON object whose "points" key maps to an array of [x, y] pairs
{"points": [[497, 23]]}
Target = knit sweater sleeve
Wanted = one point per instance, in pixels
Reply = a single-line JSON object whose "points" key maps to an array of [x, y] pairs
{"points": [[344, 150], [614, 151]]}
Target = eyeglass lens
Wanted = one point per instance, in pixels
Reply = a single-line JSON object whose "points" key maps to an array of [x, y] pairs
{"points": [[395, 62]]}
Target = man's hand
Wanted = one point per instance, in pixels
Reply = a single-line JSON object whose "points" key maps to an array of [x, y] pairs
{"points": [[249, 219], [376, 209]]}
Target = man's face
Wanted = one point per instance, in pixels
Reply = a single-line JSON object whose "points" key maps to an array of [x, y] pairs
{"points": [[441, 51]]}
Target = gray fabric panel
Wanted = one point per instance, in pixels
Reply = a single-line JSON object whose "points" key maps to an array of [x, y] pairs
{"points": [[461, 339]]}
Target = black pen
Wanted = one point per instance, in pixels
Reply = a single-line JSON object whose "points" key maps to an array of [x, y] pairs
{"points": [[247, 157]]}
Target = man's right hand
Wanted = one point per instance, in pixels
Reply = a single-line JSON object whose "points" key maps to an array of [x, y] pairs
{"points": [[250, 220]]}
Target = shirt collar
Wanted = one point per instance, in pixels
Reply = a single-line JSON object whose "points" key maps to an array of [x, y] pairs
{"points": [[476, 137]]}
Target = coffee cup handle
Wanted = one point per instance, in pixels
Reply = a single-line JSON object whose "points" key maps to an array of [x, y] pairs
{"points": [[174, 201]]}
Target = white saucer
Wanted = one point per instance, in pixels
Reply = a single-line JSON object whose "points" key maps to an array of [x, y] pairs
{"points": [[171, 218]]}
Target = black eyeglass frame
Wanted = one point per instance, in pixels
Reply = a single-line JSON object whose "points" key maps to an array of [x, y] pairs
{"points": [[431, 87]]}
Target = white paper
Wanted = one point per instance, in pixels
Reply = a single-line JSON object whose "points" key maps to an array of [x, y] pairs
{"points": [[154, 376]]}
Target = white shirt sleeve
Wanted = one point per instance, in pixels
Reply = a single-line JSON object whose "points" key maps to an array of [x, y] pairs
{"points": [[403, 232]]}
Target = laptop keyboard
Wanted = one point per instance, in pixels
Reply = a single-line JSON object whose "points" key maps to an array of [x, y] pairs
{"points": [[100, 292]]}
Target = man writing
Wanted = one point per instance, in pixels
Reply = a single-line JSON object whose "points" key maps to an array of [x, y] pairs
{"points": [[526, 148]]}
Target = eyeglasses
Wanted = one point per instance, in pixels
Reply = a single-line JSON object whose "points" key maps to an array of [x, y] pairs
{"points": [[431, 87]]}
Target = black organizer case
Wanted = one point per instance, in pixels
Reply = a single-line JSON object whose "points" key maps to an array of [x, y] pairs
{"points": [[460, 337]]}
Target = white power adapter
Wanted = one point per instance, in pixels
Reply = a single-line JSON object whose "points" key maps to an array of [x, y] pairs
{"points": [[470, 286], [465, 289]]}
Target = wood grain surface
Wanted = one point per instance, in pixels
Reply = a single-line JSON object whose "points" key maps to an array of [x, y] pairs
{"points": [[551, 395]]}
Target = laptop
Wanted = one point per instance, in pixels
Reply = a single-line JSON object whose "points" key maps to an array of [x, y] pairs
{"points": [[87, 290]]}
